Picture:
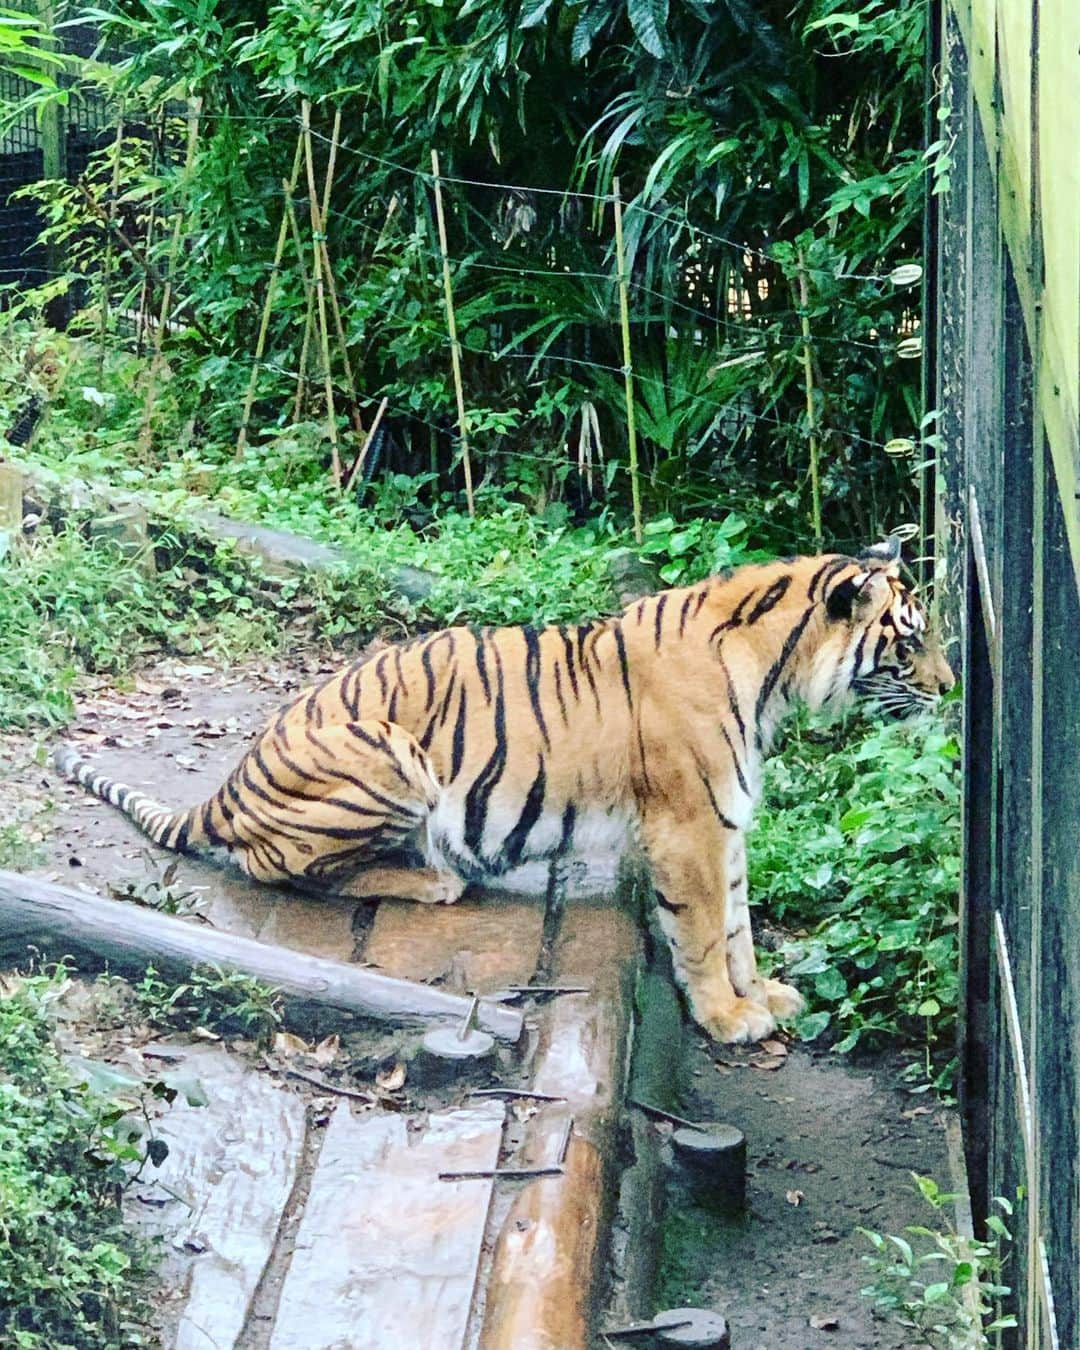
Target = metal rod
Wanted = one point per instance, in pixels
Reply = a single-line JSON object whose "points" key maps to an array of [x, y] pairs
{"points": [[516, 1092], [548, 989], [514, 1173], [455, 346], [671, 1119], [469, 1020], [564, 1142], [628, 369], [641, 1329]]}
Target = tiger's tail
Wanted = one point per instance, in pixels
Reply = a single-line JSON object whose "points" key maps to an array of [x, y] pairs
{"points": [[181, 831]]}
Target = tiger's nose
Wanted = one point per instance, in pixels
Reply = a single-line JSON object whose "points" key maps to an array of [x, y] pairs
{"points": [[944, 686]]}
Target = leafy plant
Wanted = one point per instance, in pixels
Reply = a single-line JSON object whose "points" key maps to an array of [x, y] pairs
{"points": [[949, 1296], [222, 1001], [69, 1270], [857, 849]]}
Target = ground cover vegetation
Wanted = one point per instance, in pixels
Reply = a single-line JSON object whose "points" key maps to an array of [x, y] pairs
{"points": [[70, 1271]]}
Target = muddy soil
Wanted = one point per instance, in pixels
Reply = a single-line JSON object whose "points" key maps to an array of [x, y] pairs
{"points": [[830, 1148]]}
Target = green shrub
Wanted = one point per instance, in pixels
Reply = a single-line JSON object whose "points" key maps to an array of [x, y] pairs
{"points": [[68, 1268], [857, 850]]}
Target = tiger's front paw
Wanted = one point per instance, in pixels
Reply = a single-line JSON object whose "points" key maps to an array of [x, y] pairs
{"points": [[740, 1021], [784, 1000]]}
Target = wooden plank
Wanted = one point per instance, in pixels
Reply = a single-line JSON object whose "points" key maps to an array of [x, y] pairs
{"points": [[226, 1181], [386, 1254], [479, 946], [539, 1293], [62, 922]]}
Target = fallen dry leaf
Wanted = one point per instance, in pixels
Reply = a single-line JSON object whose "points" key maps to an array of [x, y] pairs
{"points": [[769, 1064], [326, 1050], [824, 1322], [205, 1034], [794, 1197], [775, 1048], [285, 1043], [915, 1112], [391, 1079]]}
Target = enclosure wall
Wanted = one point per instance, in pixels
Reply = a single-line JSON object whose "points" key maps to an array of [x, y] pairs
{"points": [[1006, 310]]}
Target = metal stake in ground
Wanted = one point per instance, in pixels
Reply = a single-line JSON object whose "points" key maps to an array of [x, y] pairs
{"points": [[320, 291], [628, 368]]}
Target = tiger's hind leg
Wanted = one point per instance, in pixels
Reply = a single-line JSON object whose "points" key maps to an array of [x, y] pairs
{"points": [[322, 807]]}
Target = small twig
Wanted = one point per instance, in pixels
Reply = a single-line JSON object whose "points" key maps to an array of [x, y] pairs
{"points": [[657, 1114], [321, 1083], [514, 1173], [515, 1092]]}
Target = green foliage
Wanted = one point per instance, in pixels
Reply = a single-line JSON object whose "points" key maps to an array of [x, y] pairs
{"points": [[68, 1268], [794, 129], [857, 849], [227, 1002], [949, 1296]]}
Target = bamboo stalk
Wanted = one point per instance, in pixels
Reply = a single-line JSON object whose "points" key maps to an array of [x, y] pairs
{"points": [[268, 303], [106, 268], [320, 293], [194, 111], [309, 313], [455, 347], [808, 371], [358, 463], [628, 369], [331, 285]]}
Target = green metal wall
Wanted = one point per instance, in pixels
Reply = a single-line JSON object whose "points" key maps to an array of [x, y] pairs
{"points": [[1006, 314]]}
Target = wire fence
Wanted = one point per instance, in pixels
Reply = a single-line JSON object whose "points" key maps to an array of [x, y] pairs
{"points": [[720, 303]]}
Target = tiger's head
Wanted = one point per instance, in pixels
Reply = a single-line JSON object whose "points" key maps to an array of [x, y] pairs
{"points": [[880, 637]]}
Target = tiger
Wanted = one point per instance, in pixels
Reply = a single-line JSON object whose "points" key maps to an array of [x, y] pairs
{"points": [[474, 751]]}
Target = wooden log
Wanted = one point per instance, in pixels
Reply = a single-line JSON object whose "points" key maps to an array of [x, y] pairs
{"points": [[60, 921], [539, 1292]]}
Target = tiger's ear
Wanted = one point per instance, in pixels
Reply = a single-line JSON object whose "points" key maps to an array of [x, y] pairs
{"points": [[844, 597], [883, 557], [856, 593]]}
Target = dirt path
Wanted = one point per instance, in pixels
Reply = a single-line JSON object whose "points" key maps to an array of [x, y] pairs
{"points": [[830, 1149]]}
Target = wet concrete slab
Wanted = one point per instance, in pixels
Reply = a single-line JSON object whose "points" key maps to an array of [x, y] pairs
{"points": [[387, 1254]]}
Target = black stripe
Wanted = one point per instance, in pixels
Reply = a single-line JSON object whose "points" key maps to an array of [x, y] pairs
{"points": [[727, 824], [481, 662], [702, 594], [624, 668], [514, 844], [670, 905], [429, 673], [770, 599], [559, 694], [684, 611], [733, 698], [569, 818], [458, 749], [479, 794], [380, 675], [777, 668], [568, 647], [532, 680], [735, 760], [817, 577], [660, 617]]}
